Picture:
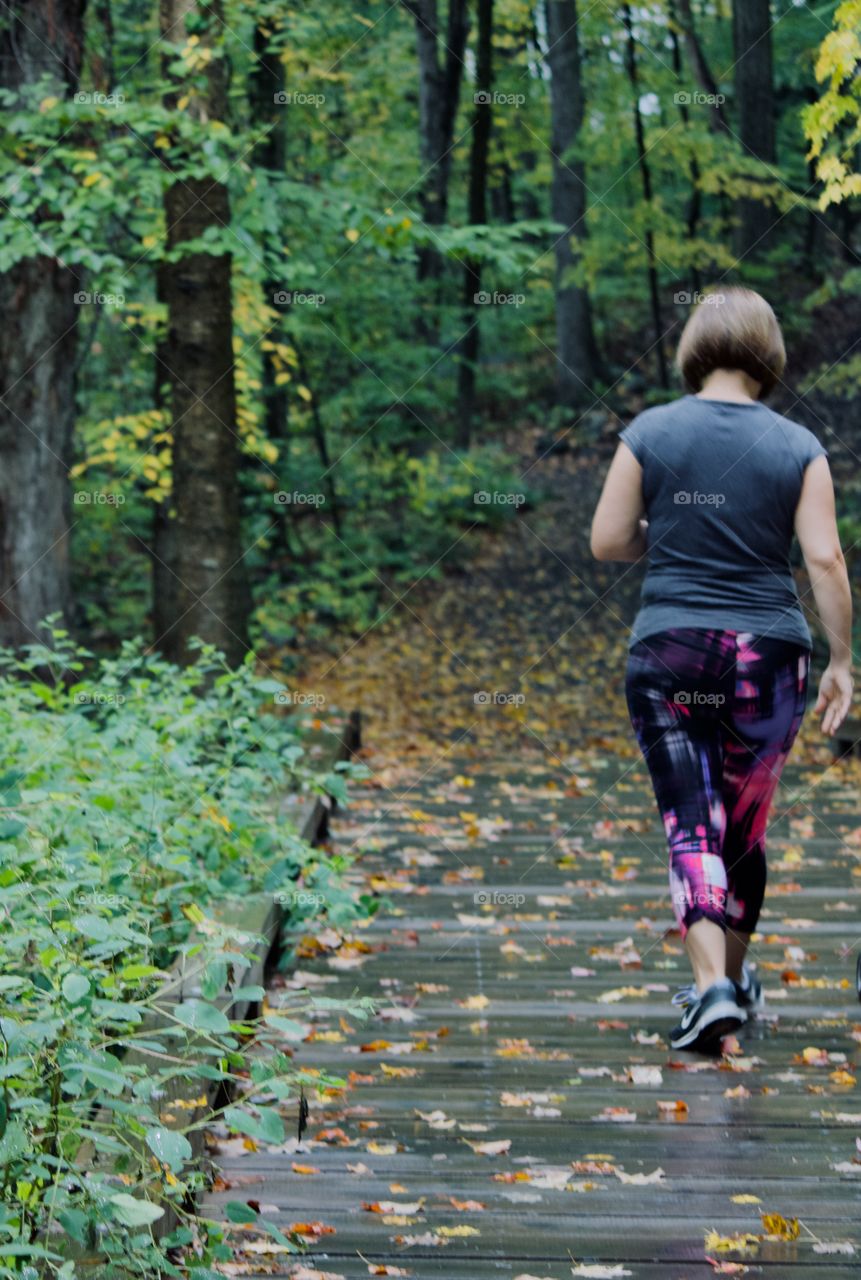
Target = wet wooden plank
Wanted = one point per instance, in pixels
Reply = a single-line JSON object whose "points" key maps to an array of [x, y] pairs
{"points": [[479, 1003]]}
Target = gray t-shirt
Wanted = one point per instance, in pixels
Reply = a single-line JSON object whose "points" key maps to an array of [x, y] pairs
{"points": [[721, 482]]}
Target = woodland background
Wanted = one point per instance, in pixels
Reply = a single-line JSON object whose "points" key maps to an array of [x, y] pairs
{"points": [[285, 287]]}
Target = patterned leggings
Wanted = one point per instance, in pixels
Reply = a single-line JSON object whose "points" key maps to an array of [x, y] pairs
{"points": [[715, 714]]}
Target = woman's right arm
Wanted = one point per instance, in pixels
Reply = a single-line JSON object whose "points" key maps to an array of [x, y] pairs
{"points": [[816, 527]]}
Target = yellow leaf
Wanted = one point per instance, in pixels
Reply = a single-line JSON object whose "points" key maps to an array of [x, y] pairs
{"points": [[218, 817], [47, 103], [303, 392], [91, 179], [783, 1228], [352, 234], [744, 1242]]}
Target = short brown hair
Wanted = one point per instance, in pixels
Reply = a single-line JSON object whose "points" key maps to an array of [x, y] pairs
{"points": [[732, 328]]}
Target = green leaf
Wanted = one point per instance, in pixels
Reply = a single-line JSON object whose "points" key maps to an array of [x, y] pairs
{"points": [[238, 1211], [287, 1026], [265, 1127], [75, 987], [200, 1016], [132, 1212], [168, 1146]]}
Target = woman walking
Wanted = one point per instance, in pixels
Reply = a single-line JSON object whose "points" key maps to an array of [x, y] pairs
{"points": [[712, 487]]}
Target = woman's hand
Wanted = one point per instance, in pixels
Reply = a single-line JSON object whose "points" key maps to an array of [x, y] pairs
{"points": [[835, 696]]}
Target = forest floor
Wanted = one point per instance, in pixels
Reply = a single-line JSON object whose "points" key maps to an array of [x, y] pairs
{"points": [[513, 1109]]}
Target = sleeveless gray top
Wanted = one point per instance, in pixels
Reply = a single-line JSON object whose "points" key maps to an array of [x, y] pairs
{"points": [[721, 482]]}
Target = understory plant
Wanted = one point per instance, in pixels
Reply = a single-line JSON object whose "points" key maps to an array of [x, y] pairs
{"points": [[135, 797]]}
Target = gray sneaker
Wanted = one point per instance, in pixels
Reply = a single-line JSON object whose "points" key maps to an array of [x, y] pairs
{"points": [[749, 991], [709, 1017]]}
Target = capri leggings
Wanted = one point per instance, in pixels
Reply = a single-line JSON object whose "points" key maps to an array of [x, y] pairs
{"points": [[716, 713]]}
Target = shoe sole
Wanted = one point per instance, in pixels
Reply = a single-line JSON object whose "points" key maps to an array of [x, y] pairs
{"points": [[724, 1018]]}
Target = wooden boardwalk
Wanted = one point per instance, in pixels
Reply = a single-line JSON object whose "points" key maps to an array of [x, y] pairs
{"points": [[514, 1109]]}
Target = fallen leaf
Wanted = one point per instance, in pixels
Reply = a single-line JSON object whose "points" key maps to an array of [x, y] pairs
{"points": [[779, 1227], [490, 1148]]}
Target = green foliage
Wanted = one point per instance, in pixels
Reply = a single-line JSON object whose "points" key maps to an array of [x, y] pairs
{"points": [[134, 797], [832, 124], [407, 517]]}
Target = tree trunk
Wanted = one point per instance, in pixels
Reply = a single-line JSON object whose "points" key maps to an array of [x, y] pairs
{"points": [[576, 352], [439, 93], [754, 91], [212, 599], [695, 201], [700, 68], [164, 599], [646, 176], [267, 83], [40, 41], [479, 151]]}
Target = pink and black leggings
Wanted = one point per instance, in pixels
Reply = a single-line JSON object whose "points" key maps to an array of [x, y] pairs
{"points": [[715, 714]]}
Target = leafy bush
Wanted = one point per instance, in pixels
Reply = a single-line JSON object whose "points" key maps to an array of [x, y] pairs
{"points": [[134, 795], [405, 518]]}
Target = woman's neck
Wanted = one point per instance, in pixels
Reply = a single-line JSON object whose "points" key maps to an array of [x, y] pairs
{"points": [[730, 384]]}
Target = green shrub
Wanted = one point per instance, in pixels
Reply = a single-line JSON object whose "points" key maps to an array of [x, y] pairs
{"points": [[134, 796]]}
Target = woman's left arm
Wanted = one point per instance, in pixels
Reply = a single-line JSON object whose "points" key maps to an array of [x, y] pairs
{"points": [[618, 526]]}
